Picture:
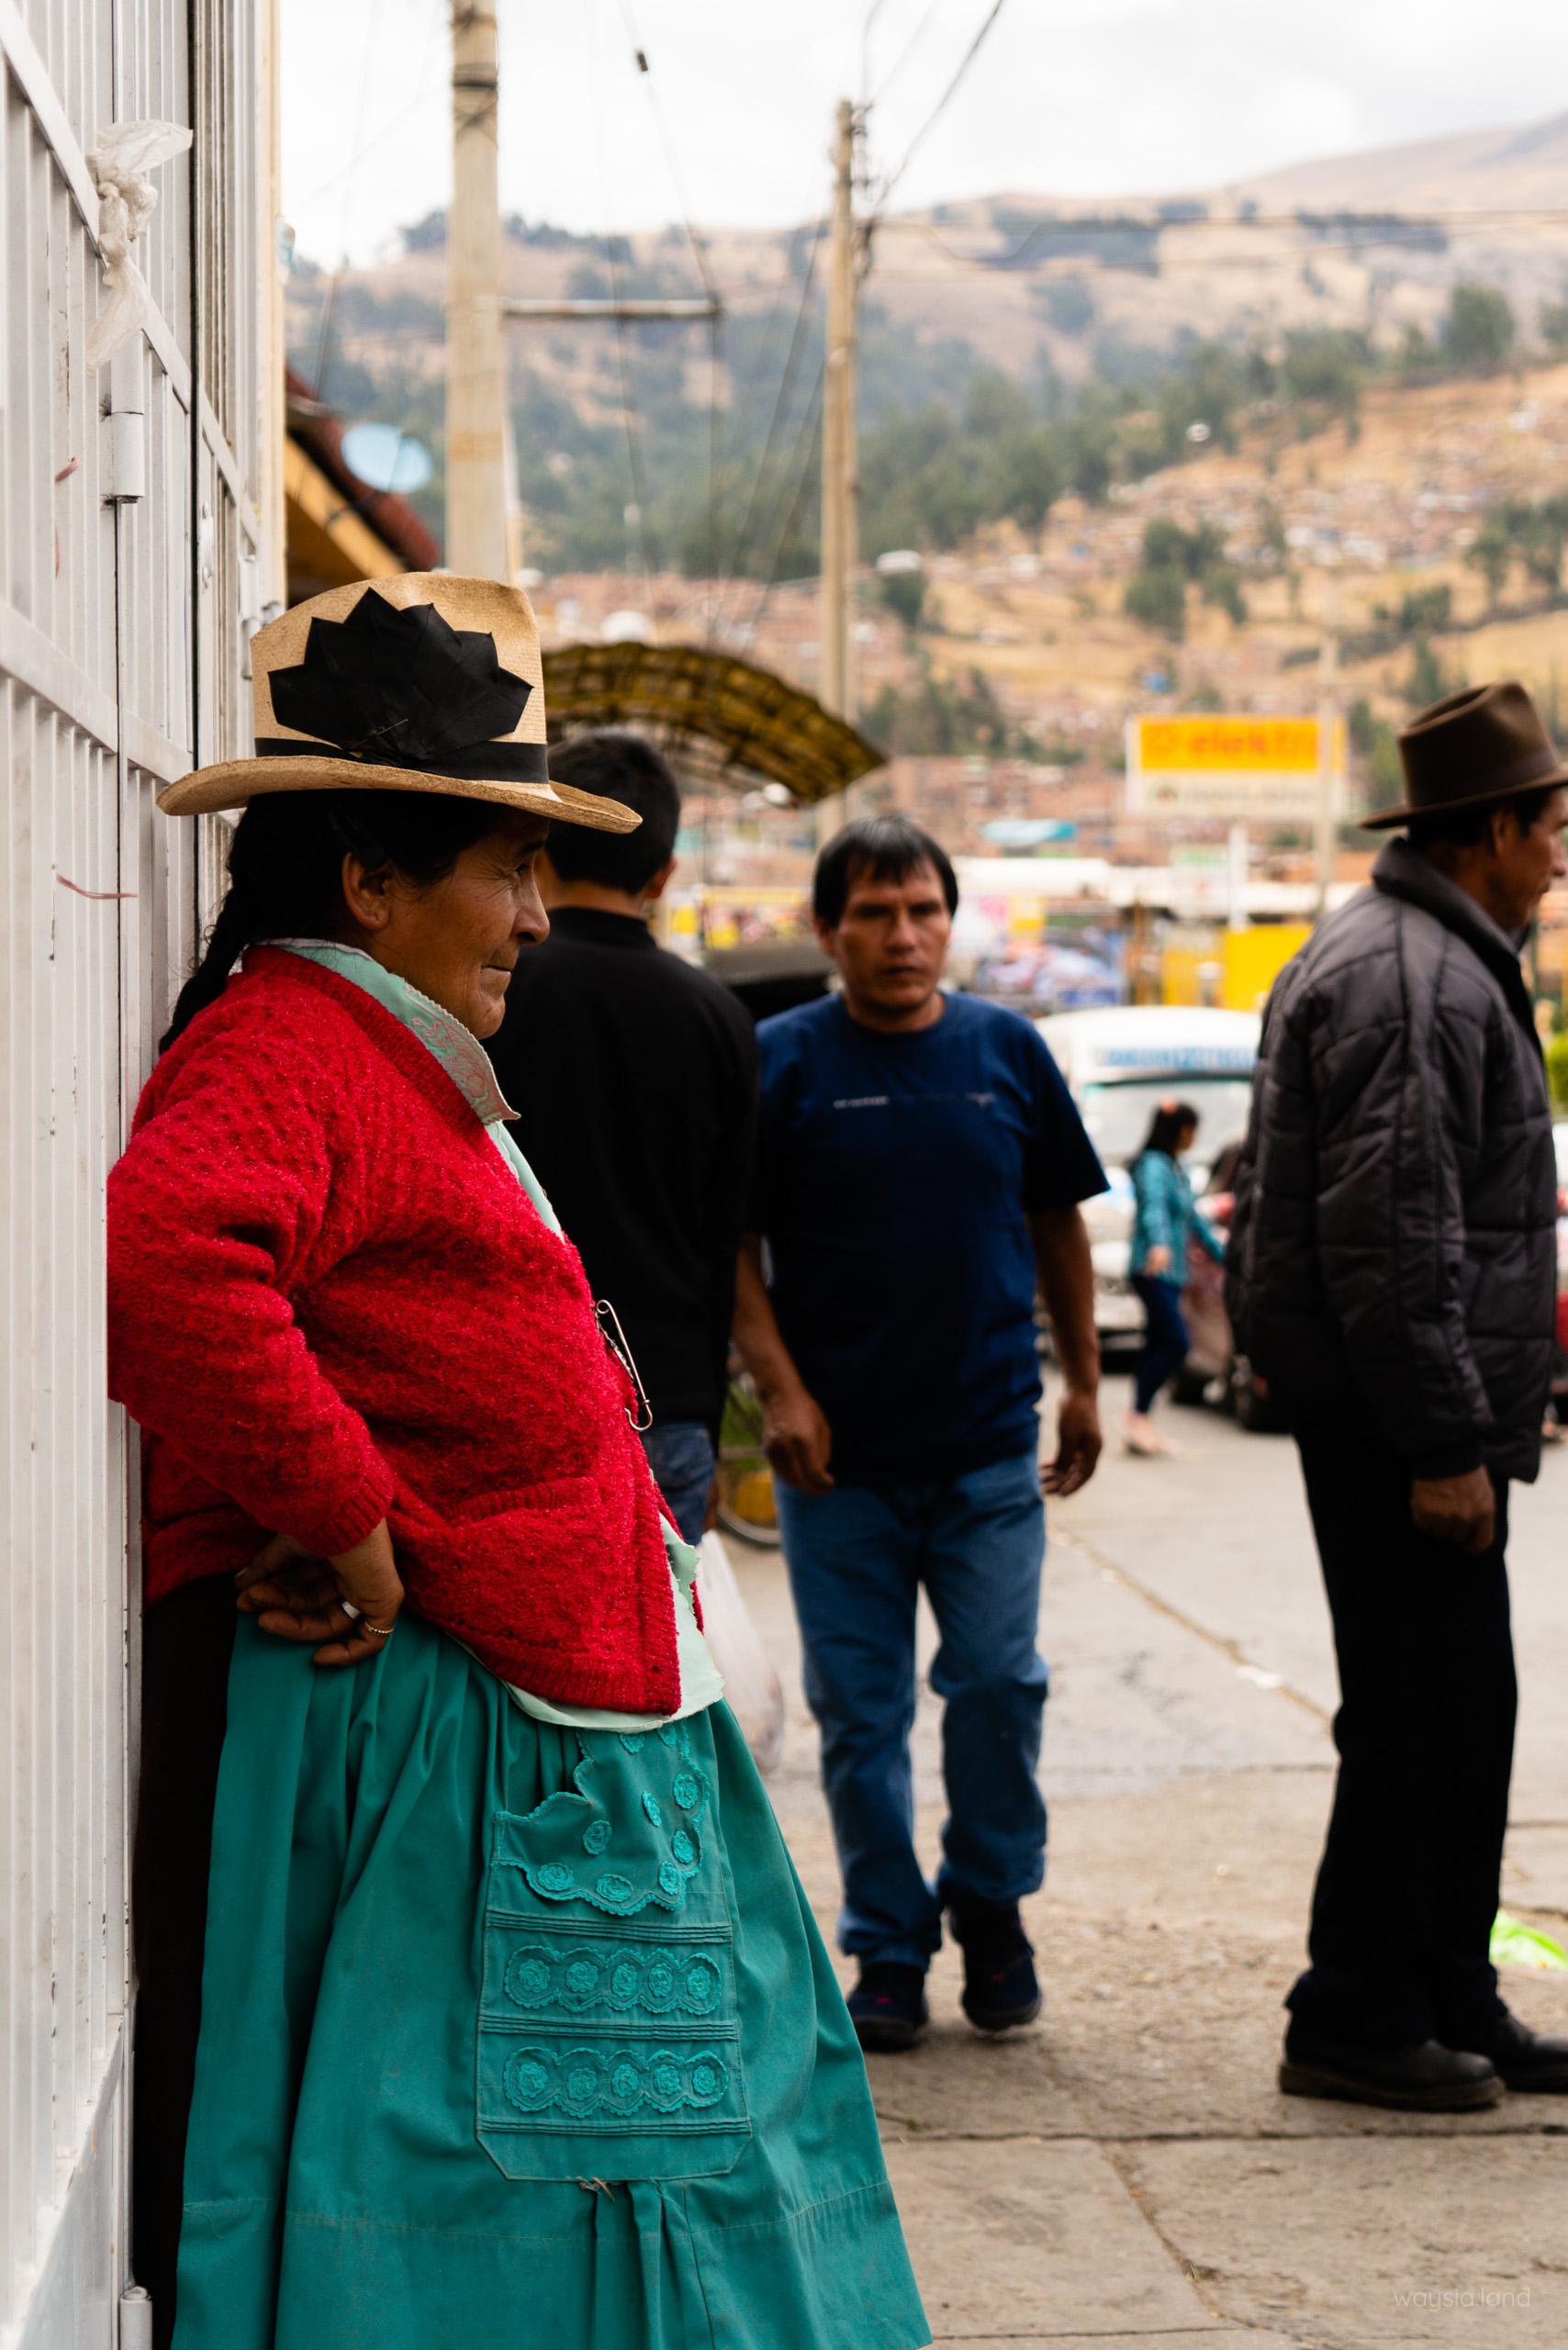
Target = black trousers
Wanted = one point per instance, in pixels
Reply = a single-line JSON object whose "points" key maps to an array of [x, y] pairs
{"points": [[186, 1642], [1409, 1884]]}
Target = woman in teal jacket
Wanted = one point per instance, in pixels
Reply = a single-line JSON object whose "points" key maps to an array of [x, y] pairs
{"points": [[1166, 1221]]}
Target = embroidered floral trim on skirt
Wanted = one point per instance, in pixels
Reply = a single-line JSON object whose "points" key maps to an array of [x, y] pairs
{"points": [[513, 2033]]}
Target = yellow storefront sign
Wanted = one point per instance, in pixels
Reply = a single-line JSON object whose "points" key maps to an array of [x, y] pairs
{"points": [[1239, 768], [1266, 745]]}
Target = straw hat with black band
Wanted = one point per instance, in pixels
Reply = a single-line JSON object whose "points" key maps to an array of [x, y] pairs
{"points": [[1473, 749], [420, 683]]}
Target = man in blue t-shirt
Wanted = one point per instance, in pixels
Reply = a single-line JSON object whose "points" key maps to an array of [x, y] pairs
{"points": [[919, 1169]]}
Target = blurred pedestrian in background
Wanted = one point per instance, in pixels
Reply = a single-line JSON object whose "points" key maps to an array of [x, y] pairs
{"points": [[1166, 1221], [635, 1079], [919, 1168], [1392, 1269]]}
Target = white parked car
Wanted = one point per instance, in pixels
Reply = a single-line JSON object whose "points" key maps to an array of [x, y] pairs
{"points": [[1120, 1064]]}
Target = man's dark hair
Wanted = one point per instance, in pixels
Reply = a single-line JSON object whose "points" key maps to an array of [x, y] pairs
{"points": [[615, 766], [1463, 827], [1171, 1121], [880, 848]]}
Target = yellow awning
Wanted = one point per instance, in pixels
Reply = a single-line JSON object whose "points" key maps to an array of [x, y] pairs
{"points": [[724, 722]]}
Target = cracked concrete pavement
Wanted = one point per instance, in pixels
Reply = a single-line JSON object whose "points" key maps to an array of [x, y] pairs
{"points": [[1124, 2172]]}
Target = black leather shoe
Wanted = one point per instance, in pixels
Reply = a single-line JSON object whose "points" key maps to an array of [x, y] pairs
{"points": [[1526, 2059], [887, 2006], [1427, 2078], [1001, 1988]]}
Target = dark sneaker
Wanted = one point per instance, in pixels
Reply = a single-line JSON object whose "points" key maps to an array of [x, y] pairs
{"points": [[1427, 2078], [1001, 1988], [1526, 2059], [887, 2006]]}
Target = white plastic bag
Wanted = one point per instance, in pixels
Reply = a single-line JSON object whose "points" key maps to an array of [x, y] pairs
{"points": [[119, 163], [750, 1683]]}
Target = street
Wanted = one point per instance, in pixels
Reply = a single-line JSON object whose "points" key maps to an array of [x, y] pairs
{"points": [[1124, 2171]]}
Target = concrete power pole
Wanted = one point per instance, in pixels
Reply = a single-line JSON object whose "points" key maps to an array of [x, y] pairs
{"points": [[840, 480], [475, 377]]}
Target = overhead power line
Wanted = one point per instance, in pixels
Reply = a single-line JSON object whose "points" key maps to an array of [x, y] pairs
{"points": [[645, 74], [965, 62], [874, 96]]}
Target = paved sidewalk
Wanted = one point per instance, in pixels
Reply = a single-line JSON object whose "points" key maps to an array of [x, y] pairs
{"points": [[1124, 2172]]}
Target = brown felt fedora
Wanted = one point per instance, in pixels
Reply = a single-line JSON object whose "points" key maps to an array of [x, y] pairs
{"points": [[420, 683], [1469, 749]]}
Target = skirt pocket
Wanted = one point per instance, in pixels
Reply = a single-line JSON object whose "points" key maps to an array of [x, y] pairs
{"points": [[609, 2033]]}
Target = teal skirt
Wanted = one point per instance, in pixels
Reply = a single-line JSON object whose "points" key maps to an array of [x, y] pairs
{"points": [[513, 2034]]}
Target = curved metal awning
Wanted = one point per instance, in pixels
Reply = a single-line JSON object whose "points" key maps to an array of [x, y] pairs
{"points": [[724, 722]]}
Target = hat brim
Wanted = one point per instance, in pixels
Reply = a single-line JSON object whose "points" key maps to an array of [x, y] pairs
{"points": [[233, 782], [1386, 818]]}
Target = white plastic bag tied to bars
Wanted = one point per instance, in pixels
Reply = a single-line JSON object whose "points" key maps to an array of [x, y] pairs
{"points": [[119, 163], [750, 1683]]}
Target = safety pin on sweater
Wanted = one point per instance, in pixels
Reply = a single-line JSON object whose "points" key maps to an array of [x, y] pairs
{"points": [[616, 1342]]}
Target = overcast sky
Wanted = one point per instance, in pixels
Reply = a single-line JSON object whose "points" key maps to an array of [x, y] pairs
{"points": [[1075, 97]]}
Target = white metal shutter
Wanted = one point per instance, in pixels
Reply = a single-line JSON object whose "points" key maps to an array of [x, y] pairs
{"points": [[120, 652]]}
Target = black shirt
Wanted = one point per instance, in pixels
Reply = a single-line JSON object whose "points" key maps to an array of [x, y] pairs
{"points": [[635, 1078]]}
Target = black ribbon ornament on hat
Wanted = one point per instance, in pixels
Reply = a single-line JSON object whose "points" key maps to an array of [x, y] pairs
{"points": [[403, 688]]}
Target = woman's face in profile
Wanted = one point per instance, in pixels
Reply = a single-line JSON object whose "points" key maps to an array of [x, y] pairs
{"points": [[457, 940]]}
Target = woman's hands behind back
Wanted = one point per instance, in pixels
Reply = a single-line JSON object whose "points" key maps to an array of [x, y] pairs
{"points": [[298, 1598]]}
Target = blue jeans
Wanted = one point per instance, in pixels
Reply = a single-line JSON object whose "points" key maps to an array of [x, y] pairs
{"points": [[857, 1559], [680, 1455], [1165, 1340]]}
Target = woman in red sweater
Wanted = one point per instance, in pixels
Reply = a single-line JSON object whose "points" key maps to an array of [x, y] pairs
{"points": [[478, 2000]]}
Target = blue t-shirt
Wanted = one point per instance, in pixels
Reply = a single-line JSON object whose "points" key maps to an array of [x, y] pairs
{"points": [[893, 1175]]}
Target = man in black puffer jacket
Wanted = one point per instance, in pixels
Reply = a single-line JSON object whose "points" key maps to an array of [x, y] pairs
{"points": [[1392, 1274]]}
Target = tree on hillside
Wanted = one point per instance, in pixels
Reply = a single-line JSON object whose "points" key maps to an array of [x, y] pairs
{"points": [[1157, 592], [1428, 681], [1157, 595], [1479, 333], [1377, 754], [903, 592], [941, 719], [1423, 611], [1532, 533], [1491, 553]]}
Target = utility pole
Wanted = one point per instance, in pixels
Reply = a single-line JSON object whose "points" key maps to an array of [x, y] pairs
{"points": [[1327, 729], [476, 378], [840, 479]]}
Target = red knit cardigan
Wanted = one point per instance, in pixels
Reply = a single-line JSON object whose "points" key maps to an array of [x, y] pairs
{"points": [[329, 1301]]}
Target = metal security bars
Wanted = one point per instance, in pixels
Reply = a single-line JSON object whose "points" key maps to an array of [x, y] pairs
{"points": [[128, 542]]}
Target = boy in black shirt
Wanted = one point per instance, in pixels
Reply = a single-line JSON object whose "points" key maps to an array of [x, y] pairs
{"points": [[634, 1076]]}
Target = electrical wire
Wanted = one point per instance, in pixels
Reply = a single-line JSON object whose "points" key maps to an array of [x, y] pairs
{"points": [[805, 443], [363, 147], [875, 96], [740, 409], [965, 63], [699, 251], [427, 98], [781, 404], [324, 334], [627, 392], [645, 74]]}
